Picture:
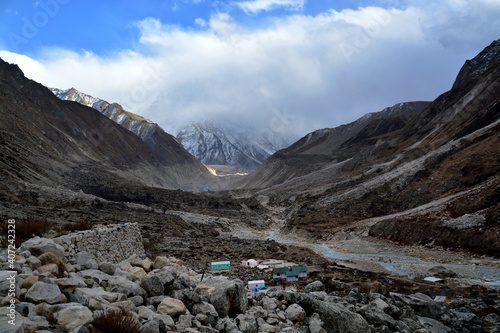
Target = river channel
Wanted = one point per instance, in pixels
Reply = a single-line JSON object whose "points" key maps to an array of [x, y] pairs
{"points": [[401, 264]]}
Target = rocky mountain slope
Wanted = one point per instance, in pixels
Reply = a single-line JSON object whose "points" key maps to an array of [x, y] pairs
{"points": [[415, 178], [165, 147], [47, 141], [217, 144], [475, 67], [315, 150]]}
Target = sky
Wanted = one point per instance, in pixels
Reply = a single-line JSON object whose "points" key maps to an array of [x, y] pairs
{"points": [[284, 67]]}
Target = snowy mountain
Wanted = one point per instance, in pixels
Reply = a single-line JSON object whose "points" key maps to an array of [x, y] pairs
{"points": [[131, 121], [217, 144]]}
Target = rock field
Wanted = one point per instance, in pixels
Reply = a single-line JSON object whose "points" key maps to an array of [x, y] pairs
{"points": [[58, 294]]}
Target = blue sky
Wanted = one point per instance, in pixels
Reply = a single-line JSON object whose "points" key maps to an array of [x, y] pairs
{"points": [[313, 63]]}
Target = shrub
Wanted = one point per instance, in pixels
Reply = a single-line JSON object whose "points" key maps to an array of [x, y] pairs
{"points": [[28, 227], [79, 226], [115, 321]]}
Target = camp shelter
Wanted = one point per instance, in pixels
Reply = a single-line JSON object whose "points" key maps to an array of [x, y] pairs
{"points": [[249, 263], [220, 265], [256, 284]]}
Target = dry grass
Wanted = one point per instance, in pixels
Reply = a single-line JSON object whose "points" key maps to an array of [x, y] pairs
{"points": [[27, 228], [79, 226], [115, 321]]}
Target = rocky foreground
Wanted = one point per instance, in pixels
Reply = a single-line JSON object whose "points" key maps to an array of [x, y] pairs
{"points": [[56, 294]]}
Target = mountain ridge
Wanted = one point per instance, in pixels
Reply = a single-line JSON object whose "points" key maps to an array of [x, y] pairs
{"points": [[49, 141]]}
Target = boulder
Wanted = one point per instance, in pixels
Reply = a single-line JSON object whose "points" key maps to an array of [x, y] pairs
{"points": [[146, 264], [49, 269], [99, 295], [40, 245], [171, 307], [153, 285], [94, 273], [336, 318], [72, 315], [71, 282], [137, 271], [184, 322], [29, 281], [86, 260], [33, 262], [126, 305], [5, 326], [137, 300], [107, 268], [375, 316], [205, 309], [314, 286], [315, 324], [269, 303], [247, 323], [154, 326], [8, 281], [295, 313], [227, 296], [44, 292], [161, 262], [422, 304], [127, 287], [434, 326]]}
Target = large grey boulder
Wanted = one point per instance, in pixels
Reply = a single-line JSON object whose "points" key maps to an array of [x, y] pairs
{"points": [[434, 326], [227, 296], [94, 273], [335, 317], [44, 292], [184, 322], [6, 323], [153, 326], [125, 286], [86, 259], [107, 267], [72, 315], [247, 323], [315, 324], [205, 309], [40, 245], [376, 316], [99, 295], [422, 304], [314, 286], [153, 285], [269, 303], [171, 307], [9, 283], [295, 313], [33, 262]]}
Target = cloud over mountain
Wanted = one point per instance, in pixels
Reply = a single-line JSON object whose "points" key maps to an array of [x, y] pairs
{"points": [[317, 70]]}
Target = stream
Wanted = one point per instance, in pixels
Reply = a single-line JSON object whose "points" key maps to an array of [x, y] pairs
{"points": [[402, 264]]}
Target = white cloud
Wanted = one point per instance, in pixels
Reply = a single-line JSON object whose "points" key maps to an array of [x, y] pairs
{"points": [[321, 71], [256, 6]]}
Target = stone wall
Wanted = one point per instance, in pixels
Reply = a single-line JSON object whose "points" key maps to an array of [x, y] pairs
{"points": [[112, 243]]}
